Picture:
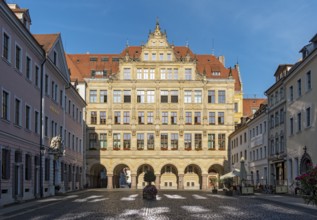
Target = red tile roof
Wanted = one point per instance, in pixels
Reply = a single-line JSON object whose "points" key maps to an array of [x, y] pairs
{"points": [[251, 105]]}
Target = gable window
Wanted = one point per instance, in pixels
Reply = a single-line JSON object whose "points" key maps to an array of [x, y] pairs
{"points": [[126, 73], [188, 74], [6, 47], [18, 57], [5, 106], [103, 96], [211, 96]]}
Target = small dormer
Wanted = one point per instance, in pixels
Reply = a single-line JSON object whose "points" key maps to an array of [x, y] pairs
{"points": [[22, 14]]}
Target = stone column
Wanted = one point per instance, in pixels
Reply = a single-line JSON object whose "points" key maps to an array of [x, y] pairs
{"points": [[158, 180], [204, 182], [180, 181], [133, 181], [109, 177]]}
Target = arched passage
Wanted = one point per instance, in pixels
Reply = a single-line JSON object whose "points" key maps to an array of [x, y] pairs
{"points": [[214, 173], [169, 177], [192, 177], [121, 176], [98, 176], [140, 175]]}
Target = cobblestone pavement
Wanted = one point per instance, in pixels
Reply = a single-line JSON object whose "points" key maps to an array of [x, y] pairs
{"points": [[128, 204]]}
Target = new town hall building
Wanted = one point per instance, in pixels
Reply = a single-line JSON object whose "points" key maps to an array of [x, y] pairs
{"points": [[157, 107]]}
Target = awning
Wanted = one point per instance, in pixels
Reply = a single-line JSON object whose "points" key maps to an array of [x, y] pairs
{"points": [[233, 173]]}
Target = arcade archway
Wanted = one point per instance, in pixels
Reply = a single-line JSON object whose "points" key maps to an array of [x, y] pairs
{"points": [[169, 177], [192, 177], [140, 175], [121, 176], [98, 176], [214, 173]]}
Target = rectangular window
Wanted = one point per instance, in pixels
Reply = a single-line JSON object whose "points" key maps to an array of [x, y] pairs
{"points": [[47, 169], [93, 96], [17, 114], [153, 56], [126, 117], [46, 126], [152, 73], [222, 141], [174, 141], [221, 96], [146, 56], [308, 120], [28, 117], [161, 56], [117, 117], [188, 74], [164, 118], [140, 96], [139, 73], [188, 96], [164, 96], [146, 73], [299, 87], [28, 167], [212, 118], [140, 141], [92, 140], [6, 164], [291, 93], [37, 122], [18, 57], [6, 47], [150, 117], [197, 96], [299, 121], [61, 96], [169, 73], [197, 118], [103, 141], [169, 56], [103, 117], [221, 118], [173, 118], [236, 107], [198, 139], [127, 141], [150, 96], [37, 76], [116, 141], [5, 106], [103, 96], [28, 68], [163, 73], [291, 124], [126, 73], [164, 141], [46, 85], [308, 81], [150, 141], [175, 73], [127, 96], [211, 141], [93, 117], [188, 118], [141, 117], [117, 96], [188, 141], [174, 96]]}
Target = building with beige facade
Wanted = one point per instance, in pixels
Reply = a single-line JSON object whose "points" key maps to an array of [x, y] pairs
{"points": [[38, 104], [157, 107]]}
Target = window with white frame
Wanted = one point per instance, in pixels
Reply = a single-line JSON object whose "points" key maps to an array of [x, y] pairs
{"points": [[173, 118], [221, 118], [211, 141], [211, 96], [212, 118], [117, 96], [175, 73], [152, 73], [150, 117], [103, 141], [174, 96], [126, 73], [127, 141], [174, 141], [140, 141], [103, 117], [197, 118], [221, 96], [92, 95], [169, 56], [164, 96], [188, 74], [222, 141], [169, 73], [163, 73], [188, 118], [116, 141], [198, 95], [161, 56], [139, 73], [164, 141], [198, 141], [103, 96], [126, 117], [146, 73], [188, 141], [153, 56], [150, 141], [127, 96], [117, 117], [141, 117], [164, 118], [146, 56], [140, 96], [188, 96], [150, 96]]}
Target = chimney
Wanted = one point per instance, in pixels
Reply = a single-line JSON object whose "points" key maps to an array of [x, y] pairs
{"points": [[22, 14], [222, 59]]}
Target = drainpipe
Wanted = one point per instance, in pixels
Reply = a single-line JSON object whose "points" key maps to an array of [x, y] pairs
{"points": [[42, 148]]}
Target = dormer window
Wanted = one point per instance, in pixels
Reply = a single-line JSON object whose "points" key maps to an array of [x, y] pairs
{"points": [[93, 59], [216, 73], [115, 59], [104, 59]]}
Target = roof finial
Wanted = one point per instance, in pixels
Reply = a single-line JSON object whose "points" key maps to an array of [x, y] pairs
{"points": [[157, 21]]}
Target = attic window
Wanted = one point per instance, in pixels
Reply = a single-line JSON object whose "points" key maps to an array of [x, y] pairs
{"points": [[93, 59], [208, 60], [115, 59], [216, 73], [77, 60], [101, 73], [104, 59], [177, 51], [136, 51]]}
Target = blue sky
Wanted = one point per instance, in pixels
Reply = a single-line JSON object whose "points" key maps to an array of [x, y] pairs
{"points": [[257, 34]]}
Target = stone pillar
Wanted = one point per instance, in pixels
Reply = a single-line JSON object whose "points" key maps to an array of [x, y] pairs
{"points": [[180, 181], [109, 177], [158, 181], [204, 182], [133, 181]]}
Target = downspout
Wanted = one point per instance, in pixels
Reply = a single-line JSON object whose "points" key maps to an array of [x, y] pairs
{"points": [[42, 130]]}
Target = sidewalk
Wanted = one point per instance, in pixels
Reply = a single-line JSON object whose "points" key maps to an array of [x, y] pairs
{"points": [[285, 199]]}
